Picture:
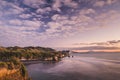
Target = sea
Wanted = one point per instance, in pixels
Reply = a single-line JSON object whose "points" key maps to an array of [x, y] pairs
{"points": [[79, 66]]}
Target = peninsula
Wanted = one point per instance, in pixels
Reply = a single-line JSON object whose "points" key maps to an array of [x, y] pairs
{"points": [[12, 59]]}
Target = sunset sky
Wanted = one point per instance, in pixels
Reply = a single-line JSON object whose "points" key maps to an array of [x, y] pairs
{"points": [[60, 23]]}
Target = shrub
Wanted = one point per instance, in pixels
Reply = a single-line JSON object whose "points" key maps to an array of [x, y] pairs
{"points": [[11, 66], [15, 61], [23, 70], [3, 65]]}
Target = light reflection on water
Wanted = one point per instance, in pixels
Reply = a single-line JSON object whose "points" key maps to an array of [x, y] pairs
{"points": [[80, 67]]}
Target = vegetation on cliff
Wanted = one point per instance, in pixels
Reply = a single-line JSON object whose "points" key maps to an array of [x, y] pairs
{"points": [[31, 53], [13, 69]]}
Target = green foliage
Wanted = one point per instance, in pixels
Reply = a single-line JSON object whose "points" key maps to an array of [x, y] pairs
{"points": [[3, 65], [15, 60], [23, 70], [11, 66], [28, 53]]}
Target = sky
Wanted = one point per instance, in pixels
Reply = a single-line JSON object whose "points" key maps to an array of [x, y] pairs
{"points": [[60, 23]]}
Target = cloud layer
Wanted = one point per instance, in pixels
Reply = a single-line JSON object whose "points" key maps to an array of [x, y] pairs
{"points": [[28, 22], [107, 43]]}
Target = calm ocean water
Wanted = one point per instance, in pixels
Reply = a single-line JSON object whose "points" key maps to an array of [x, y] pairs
{"points": [[92, 66]]}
